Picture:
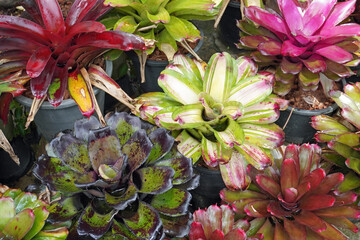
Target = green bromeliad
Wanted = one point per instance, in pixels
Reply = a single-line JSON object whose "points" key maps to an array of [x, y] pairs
{"points": [[225, 113], [342, 135]]}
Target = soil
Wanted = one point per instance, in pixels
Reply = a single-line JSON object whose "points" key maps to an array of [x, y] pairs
{"points": [[310, 100], [158, 55]]}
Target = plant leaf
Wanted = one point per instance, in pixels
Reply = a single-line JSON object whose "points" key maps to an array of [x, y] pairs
{"points": [[19, 225], [145, 223]]}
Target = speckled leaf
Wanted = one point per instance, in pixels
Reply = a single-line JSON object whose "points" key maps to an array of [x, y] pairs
{"points": [[124, 125], [56, 175], [41, 214], [176, 226], [121, 199], [82, 127], [103, 148], [7, 209], [182, 166], [189, 146], [119, 228], [174, 202], [137, 148], [56, 234], [19, 225], [145, 223], [162, 143], [154, 179], [65, 209], [234, 172], [72, 152], [94, 224]]}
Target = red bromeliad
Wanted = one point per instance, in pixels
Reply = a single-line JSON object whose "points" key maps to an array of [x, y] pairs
{"points": [[50, 51], [305, 41], [295, 199]]}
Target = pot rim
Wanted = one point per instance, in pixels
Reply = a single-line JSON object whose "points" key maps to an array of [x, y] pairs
{"points": [[234, 4], [327, 110]]}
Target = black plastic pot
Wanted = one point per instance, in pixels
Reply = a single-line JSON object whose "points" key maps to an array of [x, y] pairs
{"points": [[227, 26], [9, 170], [207, 193], [298, 130], [153, 69]]}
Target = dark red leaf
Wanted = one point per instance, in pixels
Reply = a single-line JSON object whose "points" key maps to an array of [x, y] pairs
{"points": [[97, 11], [14, 55], [5, 100], [345, 198], [7, 44], [58, 86], [52, 16], [114, 39], [295, 230], [342, 211], [7, 32], [314, 178], [84, 27], [33, 10], [314, 202], [38, 61], [40, 85], [22, 24], [78, 11], [277, 210], [310, 220], [329, 183], [268, 184], [289, 175], [10, 67]]}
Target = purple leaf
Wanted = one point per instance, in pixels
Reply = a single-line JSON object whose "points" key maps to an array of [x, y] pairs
{"points": [[5, 100], [103, 148], [33, 10], [137, 148]]}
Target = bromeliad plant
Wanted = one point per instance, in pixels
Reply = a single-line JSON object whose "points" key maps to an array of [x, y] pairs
{"points": [[295, 199], [305, 41], [218, 223], [224, 113], [23, 216], [128, 175], [342, 135], [167, 22], [53, 53]]}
